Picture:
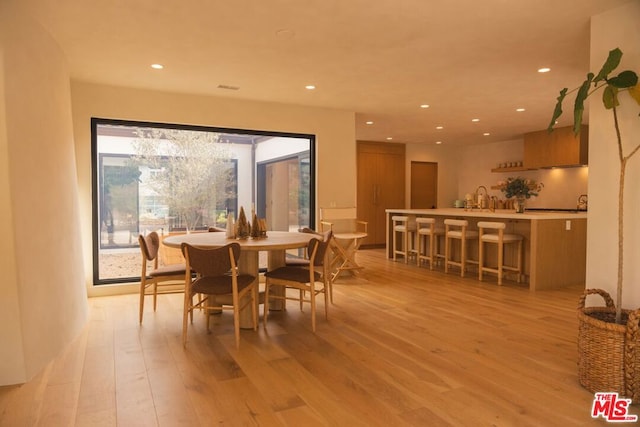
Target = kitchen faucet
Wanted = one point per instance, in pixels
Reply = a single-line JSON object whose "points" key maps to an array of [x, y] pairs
{"points": [[479, 198]]}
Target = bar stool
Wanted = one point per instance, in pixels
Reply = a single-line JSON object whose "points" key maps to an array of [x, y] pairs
{"points": [[403, 231], [457, 229], [501, 239], [426, 229]]}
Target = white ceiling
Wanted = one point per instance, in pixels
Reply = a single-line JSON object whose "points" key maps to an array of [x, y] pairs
{"points": [[379, 58]]}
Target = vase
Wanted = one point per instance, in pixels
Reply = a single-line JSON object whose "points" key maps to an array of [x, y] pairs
{"points": [[518, 204]]}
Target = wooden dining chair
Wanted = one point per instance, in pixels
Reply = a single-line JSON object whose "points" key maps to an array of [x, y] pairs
{"points": [[155, 279], [305, 262], [348, 234], [312, 279], [217, 275]]}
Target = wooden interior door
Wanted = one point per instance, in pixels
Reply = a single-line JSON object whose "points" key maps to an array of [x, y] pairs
{"points": [[424, 185], [381, 185]]}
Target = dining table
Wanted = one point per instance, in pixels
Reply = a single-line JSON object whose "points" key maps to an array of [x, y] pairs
{"points": [[275, 243]]}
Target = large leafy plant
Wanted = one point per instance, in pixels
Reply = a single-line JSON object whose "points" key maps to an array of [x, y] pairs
{"points": [[612, 86]]}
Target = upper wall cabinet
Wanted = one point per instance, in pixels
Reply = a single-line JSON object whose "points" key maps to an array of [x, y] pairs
{"points": [[559, 148]]}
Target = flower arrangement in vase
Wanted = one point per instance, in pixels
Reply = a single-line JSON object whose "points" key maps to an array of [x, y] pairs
{"points": [[521, 189]]}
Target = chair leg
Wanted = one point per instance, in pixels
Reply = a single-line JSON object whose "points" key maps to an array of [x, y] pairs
{"points": [[142, 286], [405, 246], [463, 256], [266, 303], [395, 245], [330, 284], [480, 259], [236, 319], [254, 306], [519, 261], [185, 314], [326, 301], [313, 307], [206, 313], [500, 262], [447, 250], [155, 295]]}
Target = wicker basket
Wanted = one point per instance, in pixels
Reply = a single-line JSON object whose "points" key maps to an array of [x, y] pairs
{"points": [[608, 358]]}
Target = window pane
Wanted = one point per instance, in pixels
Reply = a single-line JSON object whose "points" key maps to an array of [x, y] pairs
{"points": [[177, 179]]}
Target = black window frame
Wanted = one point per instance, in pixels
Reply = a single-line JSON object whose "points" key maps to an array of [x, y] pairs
{"points": [[96, 121]]}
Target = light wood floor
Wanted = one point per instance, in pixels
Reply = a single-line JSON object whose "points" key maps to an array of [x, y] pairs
{"points": [[402, 346]]}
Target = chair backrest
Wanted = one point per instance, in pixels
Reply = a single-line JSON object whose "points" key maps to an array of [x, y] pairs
{"points": [[422, 220], [456, 222], [492, 225], [211, 262], [402, 223], [317, 249], [329, 214], [149, 245], [427, 225], [339, 219]]}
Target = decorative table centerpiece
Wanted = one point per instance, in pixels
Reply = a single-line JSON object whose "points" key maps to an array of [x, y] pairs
{"points": [[521, 189]]}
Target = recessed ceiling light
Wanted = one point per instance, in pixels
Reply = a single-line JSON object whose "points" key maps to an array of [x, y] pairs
{"points": [[310, 87], [486, 134], [369, 122], [424, 106], [285, 33], [520, 110], [544, 70], [439, 127], [475, 120], [438, 142], [389, 138], [157, 66]]}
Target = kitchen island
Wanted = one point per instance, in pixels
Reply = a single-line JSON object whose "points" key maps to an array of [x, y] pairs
{"points": [[555, 243]]}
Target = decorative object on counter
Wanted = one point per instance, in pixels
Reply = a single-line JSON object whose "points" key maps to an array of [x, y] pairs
{"points": [[263, 227], [242, 226], [254, 227], [231, 227], [468, 201], [258, 227], [521, 189], [608, 341]]}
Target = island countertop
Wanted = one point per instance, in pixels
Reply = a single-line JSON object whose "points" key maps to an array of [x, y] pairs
{"points": [[485, 213], [554, 242]]}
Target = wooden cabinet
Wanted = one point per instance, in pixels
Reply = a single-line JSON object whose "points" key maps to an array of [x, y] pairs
{"points": [[381, 185], [558, 148]]}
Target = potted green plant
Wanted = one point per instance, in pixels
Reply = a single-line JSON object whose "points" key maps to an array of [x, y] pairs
{"points": [[607, 336]]}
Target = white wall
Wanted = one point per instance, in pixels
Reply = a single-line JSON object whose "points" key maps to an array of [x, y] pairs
{"points": [[462, 169], [616, 28], [43, 303], [448, 169], [334, 130], [562, 186]]}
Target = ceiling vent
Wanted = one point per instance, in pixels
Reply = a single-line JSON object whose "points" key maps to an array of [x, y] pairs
{"points": [[228, 87]]}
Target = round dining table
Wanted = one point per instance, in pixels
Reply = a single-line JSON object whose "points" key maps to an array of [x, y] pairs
{"points": [[275, 244]]}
